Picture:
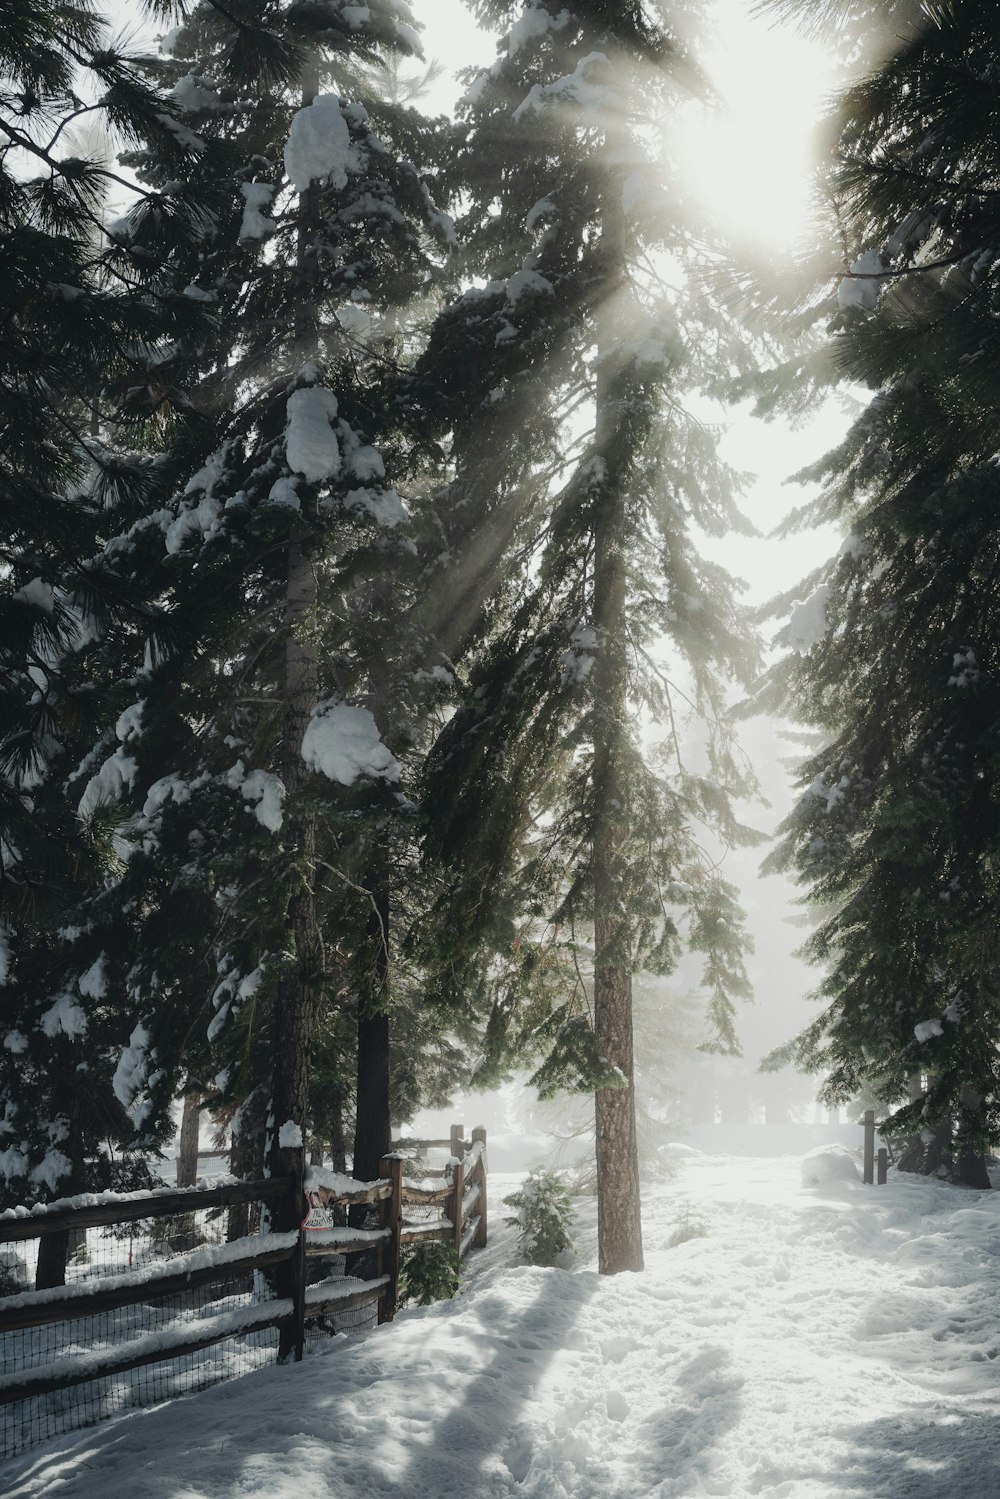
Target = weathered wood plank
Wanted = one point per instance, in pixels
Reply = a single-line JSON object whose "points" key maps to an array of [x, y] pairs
{"points": [[155, 1205], [321, 1241], [479, 1144], [377, 1192], [74, 1305], [426, 1233], [368, 1292], [468, 1237], [469, 1200], [458, 1210], [429, 1196]]}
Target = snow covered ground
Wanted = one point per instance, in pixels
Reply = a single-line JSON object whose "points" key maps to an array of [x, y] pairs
{"points": [[831, 1342]]}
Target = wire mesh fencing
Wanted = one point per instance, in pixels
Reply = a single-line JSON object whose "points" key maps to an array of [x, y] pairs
{"points": [[177, 1336], [119, 1300]]}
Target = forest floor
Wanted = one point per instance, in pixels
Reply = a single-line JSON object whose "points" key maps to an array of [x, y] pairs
{"points": [[833, 1341]]}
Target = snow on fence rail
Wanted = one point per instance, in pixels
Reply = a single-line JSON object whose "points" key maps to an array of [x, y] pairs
{"points": [[133, 1302], [272, 1269], [410, 1212]]}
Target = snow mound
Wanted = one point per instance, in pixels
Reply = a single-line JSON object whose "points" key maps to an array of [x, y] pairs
{"points": [[828, 1163]]}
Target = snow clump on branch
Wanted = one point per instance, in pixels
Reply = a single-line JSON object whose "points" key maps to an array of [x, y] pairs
{"points": [[807, 624], [310, 442], [343, 743], [319, 145]]}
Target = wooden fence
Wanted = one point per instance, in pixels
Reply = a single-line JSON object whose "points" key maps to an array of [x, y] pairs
{"points": [[870, 1155], [284, 1254]]}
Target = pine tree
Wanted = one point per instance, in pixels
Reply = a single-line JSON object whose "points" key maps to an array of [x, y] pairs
{"points": [[81, 331], [263, 795], [571, 584], [896, 832]]}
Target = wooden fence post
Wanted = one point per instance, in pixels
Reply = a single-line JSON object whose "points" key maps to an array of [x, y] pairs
{"points": [[458, 1141], [392, 1218], [53, 1252], [187, 1148], [479, 1242], [458, 1180], [869, 1172], [291, 1279], [883, 1166]]}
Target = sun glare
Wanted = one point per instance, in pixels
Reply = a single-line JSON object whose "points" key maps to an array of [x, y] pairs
{"points": [[750, 162]]}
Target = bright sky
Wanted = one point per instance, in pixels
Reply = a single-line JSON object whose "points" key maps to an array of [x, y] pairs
{"points": [[750, 163], [755, 157], [752, 160]]}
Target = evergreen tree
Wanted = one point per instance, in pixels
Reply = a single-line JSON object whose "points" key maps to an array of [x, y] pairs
{"points": [[572, 584], [263, 806], [81, 335], [896, 833]]}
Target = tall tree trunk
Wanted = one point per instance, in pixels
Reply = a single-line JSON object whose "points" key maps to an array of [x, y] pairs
{"points": [[373, 1126], [969, 1166], [373, 1123], [373, 1131], [619, 1227], [338, 1141], [938, 1151], [187, 1154], [302, 970], [246, 1160], [295, 1000]]}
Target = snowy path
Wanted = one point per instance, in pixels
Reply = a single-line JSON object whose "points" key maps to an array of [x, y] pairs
{"points": [[830, 1343]]}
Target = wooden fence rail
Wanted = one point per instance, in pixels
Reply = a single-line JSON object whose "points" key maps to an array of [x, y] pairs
{"points": [[284, 1253]]}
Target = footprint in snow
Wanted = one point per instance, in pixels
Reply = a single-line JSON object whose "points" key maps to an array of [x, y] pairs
{"points": [[618, 1406], [517, 1457]]}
